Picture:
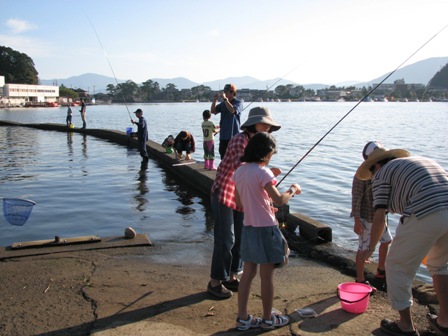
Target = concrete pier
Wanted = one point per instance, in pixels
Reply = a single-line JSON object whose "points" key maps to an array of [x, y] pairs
{"points": [[126, 287], [314, 239]]}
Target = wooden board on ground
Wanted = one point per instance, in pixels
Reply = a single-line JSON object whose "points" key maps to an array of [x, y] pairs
{"points": [[184, 163], [55, 242], [104, 243]]}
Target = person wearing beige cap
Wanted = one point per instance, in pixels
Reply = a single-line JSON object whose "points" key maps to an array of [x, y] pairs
{"points": [[230, 109], [228, 217], [417, 189]]}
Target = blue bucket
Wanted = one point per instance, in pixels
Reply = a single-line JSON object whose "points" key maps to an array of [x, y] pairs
{"points": [[128, 131]]}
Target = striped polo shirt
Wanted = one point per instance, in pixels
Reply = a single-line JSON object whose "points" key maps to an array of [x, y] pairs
{"points": [[411, 185]]}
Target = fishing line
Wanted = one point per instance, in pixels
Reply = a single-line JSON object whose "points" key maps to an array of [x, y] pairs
{"points": [[358, 103], [270, 87], [110, 65], [266, 91]]}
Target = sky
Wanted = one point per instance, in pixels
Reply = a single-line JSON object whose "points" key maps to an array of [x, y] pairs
{"points": [[305, 41]]}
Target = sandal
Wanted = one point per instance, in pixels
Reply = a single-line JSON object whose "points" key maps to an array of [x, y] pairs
{"points": [[441, 331], [380, 274], [392, 328], [276, 321], [251, 322]]}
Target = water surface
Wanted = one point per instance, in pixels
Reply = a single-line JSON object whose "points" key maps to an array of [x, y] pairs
{"points": [[85, 185]]}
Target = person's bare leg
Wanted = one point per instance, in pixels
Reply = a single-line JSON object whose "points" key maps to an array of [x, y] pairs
{"points": [[267, 289], [405, 323], [360, 263], [382, 254], [441, 287], [250, 270]]}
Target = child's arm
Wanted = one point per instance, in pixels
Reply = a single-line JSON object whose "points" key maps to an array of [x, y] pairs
{"points": [[358, 228], [238, 199], [282, 198]]}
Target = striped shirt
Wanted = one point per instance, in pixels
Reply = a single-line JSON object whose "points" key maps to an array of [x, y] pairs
{"points": [[223, 183], [412, 185]]}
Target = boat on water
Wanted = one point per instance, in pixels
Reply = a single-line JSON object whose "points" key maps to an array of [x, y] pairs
{"points": [[41, 104]]}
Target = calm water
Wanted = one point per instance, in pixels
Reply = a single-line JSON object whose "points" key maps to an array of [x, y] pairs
{"points": [[85, 185]]}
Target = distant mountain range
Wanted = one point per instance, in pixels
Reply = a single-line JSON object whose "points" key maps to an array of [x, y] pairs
{"points": [[417, 73]]}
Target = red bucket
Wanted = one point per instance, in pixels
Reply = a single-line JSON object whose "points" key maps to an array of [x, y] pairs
{"points": [[354, 296]]}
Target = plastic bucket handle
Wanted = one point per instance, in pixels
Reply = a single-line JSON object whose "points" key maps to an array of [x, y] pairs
{"points": [[348, 301]]}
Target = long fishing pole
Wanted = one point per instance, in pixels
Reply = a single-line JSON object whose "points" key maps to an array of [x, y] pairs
{"points": [[110, 65], [357, 104]]}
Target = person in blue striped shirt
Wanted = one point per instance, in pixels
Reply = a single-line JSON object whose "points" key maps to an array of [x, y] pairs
{"points": [[417, 189]]}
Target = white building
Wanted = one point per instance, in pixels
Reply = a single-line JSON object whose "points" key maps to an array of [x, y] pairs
{"points": [[27, 95]]}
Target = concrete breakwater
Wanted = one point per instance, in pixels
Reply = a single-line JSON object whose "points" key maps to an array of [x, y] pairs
{"points": [[314, 239]]}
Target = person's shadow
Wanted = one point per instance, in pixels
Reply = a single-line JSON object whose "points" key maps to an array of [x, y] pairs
{"points": [[122, 318]]}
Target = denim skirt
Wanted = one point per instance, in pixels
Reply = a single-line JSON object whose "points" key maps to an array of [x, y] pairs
{"points": [[262, 245]]}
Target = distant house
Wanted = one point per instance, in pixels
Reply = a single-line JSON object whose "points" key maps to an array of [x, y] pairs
{"points": [[27, 94], [82, 93]]}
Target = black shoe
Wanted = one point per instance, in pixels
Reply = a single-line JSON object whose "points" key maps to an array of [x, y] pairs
{"points": [[219, 291], [232, 285]]}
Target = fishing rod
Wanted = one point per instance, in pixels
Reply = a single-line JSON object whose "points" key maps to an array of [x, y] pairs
{"points": [[110, 65], [358, 103]]}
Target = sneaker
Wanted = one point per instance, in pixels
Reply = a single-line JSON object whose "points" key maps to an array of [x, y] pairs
{"points": [[232, 285], [432, 319], [219, 291]]}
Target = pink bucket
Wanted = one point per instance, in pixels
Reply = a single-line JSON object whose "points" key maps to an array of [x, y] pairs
{"points": [[354, 296]]}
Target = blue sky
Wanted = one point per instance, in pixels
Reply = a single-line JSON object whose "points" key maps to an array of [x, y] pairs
{"points": [[319, 41]]}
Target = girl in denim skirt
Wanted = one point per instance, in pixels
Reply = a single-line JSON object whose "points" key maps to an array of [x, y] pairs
{"points": [[262, 242]]}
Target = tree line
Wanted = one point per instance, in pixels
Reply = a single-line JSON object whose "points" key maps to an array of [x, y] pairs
{"points": [[19, 68]]}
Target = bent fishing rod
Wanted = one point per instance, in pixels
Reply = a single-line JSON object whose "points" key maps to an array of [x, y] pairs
{"points": [[358, 103], [110, 65]]}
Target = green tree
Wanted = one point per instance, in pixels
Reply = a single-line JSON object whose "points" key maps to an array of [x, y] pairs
{"points": [[149, 90], [111, 91], [171, 92], [281, 91], [66, 92], [440, 79], [126, 91], [18, 68], [201, 92]]}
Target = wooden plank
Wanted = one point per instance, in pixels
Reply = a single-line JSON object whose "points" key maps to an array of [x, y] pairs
{"points": [[105, 243], [55, 242]]}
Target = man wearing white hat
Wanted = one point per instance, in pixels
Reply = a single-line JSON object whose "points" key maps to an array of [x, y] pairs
{"points": [[417, 189]]}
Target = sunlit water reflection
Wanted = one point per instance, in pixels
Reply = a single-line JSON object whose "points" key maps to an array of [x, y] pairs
{"points": [[85, 185]]}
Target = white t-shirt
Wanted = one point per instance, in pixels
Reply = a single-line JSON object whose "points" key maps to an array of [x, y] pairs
{"points": [[250, 180]]}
